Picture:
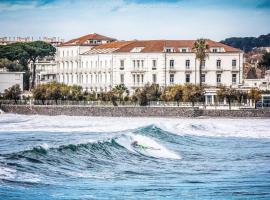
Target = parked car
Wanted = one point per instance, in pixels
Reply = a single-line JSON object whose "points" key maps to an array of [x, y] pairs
{"points": [[261, 104]]}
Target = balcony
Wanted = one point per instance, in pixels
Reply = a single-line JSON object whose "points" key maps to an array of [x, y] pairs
{"points": [[172, 71], [234, 69], [136, 70]]}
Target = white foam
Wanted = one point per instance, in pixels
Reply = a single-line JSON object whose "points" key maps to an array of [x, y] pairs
{"points": [[7, 173], [12, 174], [153, 148], [255, 128], [45, 146]]}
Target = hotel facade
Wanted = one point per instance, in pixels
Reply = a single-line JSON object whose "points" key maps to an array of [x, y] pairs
{"points": [[98, 63]]}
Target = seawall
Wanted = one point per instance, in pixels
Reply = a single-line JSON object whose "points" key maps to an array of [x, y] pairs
{"points": [[132, 111]]}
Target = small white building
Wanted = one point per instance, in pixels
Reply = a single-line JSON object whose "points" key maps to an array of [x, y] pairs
{"points": [[46, 70], [260, 83], [8, 79]]}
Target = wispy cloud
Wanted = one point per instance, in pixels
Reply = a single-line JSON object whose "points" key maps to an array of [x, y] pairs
{"points": [[135, 19], [13, 5]]}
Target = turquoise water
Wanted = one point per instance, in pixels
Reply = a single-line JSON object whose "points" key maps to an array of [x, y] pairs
{"points": [[93, 158]]}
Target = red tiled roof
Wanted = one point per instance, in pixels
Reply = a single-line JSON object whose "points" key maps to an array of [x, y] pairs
{"points": [[83, 39], [157, 46]]}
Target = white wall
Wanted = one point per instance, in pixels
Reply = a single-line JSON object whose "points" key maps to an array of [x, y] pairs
{"points": [[101, 72], [8, 79]]}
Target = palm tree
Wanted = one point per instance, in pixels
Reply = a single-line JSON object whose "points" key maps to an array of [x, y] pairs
{"points": [[200, 48], [255, 95]]}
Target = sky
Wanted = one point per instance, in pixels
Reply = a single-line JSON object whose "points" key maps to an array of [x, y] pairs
{"points": [[135, 19]]}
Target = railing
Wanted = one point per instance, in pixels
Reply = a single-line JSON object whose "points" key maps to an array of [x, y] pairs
{"points": [[200, 105]]}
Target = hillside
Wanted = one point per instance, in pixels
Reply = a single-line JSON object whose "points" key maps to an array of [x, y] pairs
{"points": [[248, 43]]}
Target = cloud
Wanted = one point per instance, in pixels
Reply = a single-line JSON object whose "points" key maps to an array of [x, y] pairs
{"points": [[13, 5]]}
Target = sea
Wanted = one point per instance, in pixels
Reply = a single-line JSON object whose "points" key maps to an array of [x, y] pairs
{"points": [[81, 158]]}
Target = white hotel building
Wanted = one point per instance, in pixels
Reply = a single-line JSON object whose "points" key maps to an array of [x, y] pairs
{"points": [[99, 63]]}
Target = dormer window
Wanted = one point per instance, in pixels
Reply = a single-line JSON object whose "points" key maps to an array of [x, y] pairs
{"points": [[183, 50], [137, 49], [217, 49], [169, 50]]}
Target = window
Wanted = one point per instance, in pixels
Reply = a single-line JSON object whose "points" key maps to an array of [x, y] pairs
{"points": [[137, 49], [218, 78], [154, 78], [203, 78], [171, 64], [122, 64], [134, 79], [234, 63], [203, 64], [154, 64], [122, 80], [142, 63], [171, 78], [218, 64], [187, 78], [138, 79], [187, 64], [214, 50], [138, 64], [169, 50], [134, 63], [142, 78], [234, 78], [184, 50]]}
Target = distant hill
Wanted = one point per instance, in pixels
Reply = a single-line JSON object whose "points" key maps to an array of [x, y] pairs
{"points": [[248, 43]]}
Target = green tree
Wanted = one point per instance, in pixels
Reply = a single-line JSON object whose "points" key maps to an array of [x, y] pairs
{"points": [[28, 52], [13, 93], [76, 93], [119, 91], [255, 95], [200, 48], [150, 92], [40, 93], [265, 63], [173, 93], [193, 93], [227, 93], [37, 50], [54, 91], [11, 66]]}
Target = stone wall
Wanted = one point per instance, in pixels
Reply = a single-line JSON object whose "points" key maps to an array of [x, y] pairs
{"points": [[131, 111]]}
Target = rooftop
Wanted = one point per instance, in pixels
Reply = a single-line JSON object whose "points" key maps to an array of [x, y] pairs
{"points": [[84, 40], [155, 46]]}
